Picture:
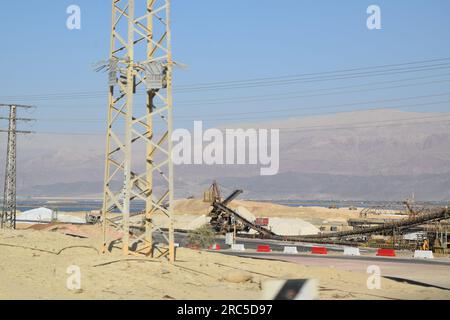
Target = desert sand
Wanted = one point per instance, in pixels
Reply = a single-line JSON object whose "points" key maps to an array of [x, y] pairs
{"points": [[34, 265]]}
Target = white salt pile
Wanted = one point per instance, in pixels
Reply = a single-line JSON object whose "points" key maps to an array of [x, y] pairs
{"points": [[70, 219], [39, 215], [292, 227], [283, 226], [245, 213], [44, 215], [198, 222]]}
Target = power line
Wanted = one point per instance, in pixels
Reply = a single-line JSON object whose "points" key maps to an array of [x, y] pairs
{"points": [[277, 110], [317, 114], [318, 73], [295, 95], [357, 125], [19, 119], [224, 117], [16, 105], [332, 106], [261, 82], [304, 94], [314, 79]]}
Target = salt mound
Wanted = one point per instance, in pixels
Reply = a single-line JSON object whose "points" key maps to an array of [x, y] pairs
{"points": [[245, 213], [42, 215], [70, 219], [292, 227], [198, 222], [283, 226]]}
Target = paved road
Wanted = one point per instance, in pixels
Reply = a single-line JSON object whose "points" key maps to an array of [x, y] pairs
{"points": [[429, 273], [403, 268]]}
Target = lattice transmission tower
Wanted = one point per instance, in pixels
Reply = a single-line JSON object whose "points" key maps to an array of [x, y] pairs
{"points": [[139, 165], [8, 214]]}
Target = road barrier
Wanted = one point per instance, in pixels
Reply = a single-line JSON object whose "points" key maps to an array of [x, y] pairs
{"points": [[319, 250], [229, 238], [350, 251], [237, 247], [386, 253], [290, 250], [215, 247], [263, 249], [422, 254]]}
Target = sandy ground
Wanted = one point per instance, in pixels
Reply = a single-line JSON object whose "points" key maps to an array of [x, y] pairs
{"points": [[33, 265]]}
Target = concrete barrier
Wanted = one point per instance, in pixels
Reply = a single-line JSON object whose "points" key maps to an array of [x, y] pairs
{"points": [[237, 247], [386, 253], [229, 239], [350, 251], [422, 254], [319, 250], [290, 250], [263, 249]]}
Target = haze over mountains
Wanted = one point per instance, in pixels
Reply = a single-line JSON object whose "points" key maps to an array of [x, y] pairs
{"points": [[361, 155]]}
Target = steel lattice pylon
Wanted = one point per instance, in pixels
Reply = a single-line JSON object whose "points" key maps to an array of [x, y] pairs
{"points": [[140, 123], [8, 217]]}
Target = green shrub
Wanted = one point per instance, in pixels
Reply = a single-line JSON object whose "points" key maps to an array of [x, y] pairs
{"points": [[202, 237]]}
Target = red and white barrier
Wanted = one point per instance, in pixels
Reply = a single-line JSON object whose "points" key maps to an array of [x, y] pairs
{"points": [[215, 247], [264, 248], [386, 253], [422, 254], [350, 251], [319, 250], [237, 247], [290, 250]]}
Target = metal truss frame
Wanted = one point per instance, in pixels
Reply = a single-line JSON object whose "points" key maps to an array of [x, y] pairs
{"points": [[140, 44], [8, 214]]}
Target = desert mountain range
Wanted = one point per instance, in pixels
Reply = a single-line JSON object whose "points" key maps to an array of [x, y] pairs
{"points": [[360, 155]]}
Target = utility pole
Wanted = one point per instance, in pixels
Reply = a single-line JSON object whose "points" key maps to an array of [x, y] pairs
{"points": [[8, 217], [138, 164]]}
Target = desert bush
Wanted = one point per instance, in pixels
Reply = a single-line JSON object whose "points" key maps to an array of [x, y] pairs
{"points": [[202, 237]]}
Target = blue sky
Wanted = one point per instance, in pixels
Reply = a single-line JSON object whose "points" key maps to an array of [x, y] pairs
{"points": [[226, 41]]}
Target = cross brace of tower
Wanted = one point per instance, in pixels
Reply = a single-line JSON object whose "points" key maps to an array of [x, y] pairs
{"points": [[138, 165], [8, 214]]}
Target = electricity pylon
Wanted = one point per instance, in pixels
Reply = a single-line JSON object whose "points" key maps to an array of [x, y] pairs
{"points": [[8, 217], [139, 163]]}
